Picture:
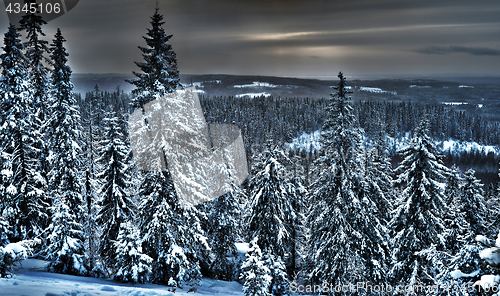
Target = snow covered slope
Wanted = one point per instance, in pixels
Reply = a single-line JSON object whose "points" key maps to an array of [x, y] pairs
{"points": [[31, 280]]}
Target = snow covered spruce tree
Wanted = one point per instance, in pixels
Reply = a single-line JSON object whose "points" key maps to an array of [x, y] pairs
{"points": [[159, 69], [65, 250], [418, 223], [280, 285], [378, 183], [131, 264], [36, 48], [473, 203], [223, 233], [453, 186], [116, 206], [347, 243], [271, 209], [37, 52], [256, 276], [168, 237], [172, 235], [24, 198]]}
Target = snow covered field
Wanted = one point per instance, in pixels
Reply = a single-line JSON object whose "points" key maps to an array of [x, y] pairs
{"points": [[256, 84], [307, 140], [30, 279], [254, 95]]}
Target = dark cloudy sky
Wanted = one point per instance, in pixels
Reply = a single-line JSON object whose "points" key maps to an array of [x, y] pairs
{"points": [[306, 38]]}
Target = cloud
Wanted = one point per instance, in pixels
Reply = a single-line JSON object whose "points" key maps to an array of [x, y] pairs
{"points": [[444, 50]]}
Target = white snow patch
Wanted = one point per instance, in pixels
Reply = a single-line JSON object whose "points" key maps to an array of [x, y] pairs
{"points": [[306, 141], [242, 248], [456, 274], [455, 103], [31, 282], [376, 90], [458, 146], [256, 84], [483, 239], [254, 95], [419, 86], [490, 255]]}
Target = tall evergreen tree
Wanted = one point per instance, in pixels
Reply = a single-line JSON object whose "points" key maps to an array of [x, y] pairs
{"points": [[453, 186], [418, 224], [131, 264], [378, 183], [159, 69], [223, 233], [172, 235], [23, 183], [271, 208], [36, 52], [116, 206], [473, 203], [347, 241], [36, 48], [63, 134]]}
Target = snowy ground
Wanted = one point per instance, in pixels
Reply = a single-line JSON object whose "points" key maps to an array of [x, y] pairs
{"points": [[307, 140], [30, 279]]}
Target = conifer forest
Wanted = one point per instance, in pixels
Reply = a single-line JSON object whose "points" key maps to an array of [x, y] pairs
{"points": [[343, 196]]}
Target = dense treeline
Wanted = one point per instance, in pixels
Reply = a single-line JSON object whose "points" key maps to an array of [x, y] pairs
{"points": [[342, 217], [282, 119]]}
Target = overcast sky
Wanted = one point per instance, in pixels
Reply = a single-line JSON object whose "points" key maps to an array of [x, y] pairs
{"points": [[306, 38]]}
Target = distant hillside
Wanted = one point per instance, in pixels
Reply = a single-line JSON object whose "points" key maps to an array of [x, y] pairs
{"points": [[478, 96], [107, 82]]}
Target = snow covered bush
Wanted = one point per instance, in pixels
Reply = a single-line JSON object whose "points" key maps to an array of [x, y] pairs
{"points": [[131, 264], [12, 254], [256, 275], [280, 285], [66, 250], [491, 256]]}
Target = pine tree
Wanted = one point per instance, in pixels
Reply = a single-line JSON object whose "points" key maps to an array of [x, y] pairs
{"points": [[159, 70], [131, 264], [473, 204], [63, 134], [347, 241], [223, 233], [63, 130], [172, 235], [377, 180], [66, 250], [23, 184], [116, 205], [417, 223], [280, 285], [38, 74], [256, 275], [92, 229], [271, 210], [454, 218], [453, 186], [168, 237]]}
